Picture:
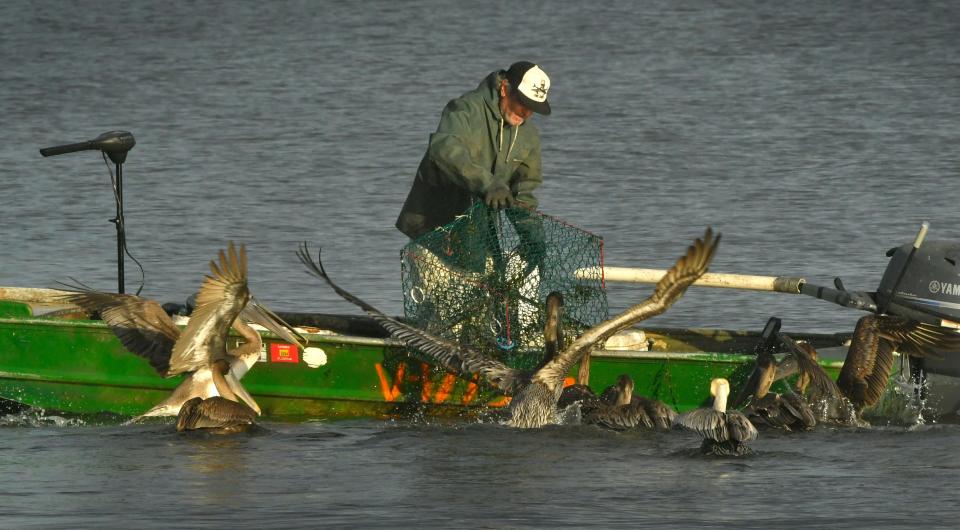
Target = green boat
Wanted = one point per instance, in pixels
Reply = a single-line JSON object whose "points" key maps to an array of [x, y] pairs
{"points": [[61, 362]]}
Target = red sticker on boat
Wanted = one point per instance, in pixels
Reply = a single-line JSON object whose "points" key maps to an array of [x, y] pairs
{"points": [[284, 353]]}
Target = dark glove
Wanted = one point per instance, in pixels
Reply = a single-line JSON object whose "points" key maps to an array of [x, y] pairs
{"points": [[498, 196]]}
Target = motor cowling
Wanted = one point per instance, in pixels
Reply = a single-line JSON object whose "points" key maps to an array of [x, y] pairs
{"points": [[928, 289]]}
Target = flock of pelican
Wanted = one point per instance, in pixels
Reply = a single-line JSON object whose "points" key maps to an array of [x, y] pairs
{"points": [[211, 397]]}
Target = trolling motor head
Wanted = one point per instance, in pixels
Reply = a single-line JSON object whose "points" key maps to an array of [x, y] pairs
{"points": [[114, 143]]}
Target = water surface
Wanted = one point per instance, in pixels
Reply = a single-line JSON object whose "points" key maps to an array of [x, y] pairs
{"points": [[813, 135]]}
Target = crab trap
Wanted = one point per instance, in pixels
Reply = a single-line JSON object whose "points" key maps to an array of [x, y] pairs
{"points": [[482, 280]]}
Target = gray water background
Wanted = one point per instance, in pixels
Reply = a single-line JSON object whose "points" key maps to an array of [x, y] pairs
{"points": [[813, 135]]}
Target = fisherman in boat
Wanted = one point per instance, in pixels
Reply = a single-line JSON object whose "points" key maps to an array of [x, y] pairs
{"points": [[485, 149]]}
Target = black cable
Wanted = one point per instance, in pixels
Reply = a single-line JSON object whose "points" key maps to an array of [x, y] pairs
{"points": [[120, 223]]}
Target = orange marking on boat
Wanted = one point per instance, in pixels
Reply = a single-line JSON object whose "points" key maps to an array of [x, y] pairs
{"points": [[500, 402], [445, 387], [567, 381], [390, 392], [427, 388], [470, 392]]}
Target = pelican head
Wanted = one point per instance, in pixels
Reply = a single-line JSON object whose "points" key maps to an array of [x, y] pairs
{"points": [[552, 329], [255, 312], [720, 389], [625, 385]]}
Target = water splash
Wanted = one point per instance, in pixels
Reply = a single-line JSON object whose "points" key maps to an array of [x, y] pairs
{"points": [[903, 403], [33, 417]]}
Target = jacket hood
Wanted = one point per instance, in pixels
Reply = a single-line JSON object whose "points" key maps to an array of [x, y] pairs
{"points": [[490, 89]]}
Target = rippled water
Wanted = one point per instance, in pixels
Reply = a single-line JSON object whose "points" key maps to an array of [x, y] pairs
{"points": [[814, 135], [377, 474]]}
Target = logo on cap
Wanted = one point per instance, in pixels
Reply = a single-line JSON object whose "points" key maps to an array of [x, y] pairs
{"points": [[540, 91]]}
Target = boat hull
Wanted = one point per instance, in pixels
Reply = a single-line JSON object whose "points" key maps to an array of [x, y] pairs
{"points": [[79, 366]]}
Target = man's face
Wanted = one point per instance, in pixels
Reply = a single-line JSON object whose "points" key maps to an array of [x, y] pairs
{"points": [[512, 110]]}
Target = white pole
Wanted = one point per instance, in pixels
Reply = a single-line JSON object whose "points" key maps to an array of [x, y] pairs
{"points": [[780, 284]]}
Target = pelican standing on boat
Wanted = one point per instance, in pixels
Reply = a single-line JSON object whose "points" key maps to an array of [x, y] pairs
{"points": [[725, 432], [200, 350], [535, 395]]}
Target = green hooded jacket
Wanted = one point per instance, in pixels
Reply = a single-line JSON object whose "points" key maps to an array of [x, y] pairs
{"points": [[472, 149]]}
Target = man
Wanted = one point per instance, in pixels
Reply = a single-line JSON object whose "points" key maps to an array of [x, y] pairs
{"points": [[484, 148]]}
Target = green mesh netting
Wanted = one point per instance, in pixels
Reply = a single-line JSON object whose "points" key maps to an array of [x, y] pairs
{"points": [[482, 280]]}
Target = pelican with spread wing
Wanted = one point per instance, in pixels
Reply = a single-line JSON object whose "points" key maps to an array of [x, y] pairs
{"points": [[201, 350], [535, 394]]}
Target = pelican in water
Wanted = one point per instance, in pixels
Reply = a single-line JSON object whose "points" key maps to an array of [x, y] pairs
{"points": [[200, 350], [230, 411], [535, 394], [617, 407], [869, 361], [789, 411], [725, 432]]}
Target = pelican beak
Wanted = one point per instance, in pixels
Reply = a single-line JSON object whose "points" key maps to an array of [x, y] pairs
{"points": [[241, 392], [257, 313]]}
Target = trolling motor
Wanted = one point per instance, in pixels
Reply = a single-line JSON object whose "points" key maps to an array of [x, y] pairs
{"points": [[113, 144]]}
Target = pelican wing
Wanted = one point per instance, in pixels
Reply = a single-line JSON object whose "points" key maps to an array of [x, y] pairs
{"points": [[578, 393], [799, 409], [620, 417], [707, 422], [918, 339], [739, 427], [213, 413], [454, 357], [766, 410], [222, 296], [668, 290], [867, 366], [804, 354], [142, 326], [659, 412]]}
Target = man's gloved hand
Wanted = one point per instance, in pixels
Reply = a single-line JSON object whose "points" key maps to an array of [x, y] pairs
{"points": [[498, 196]]}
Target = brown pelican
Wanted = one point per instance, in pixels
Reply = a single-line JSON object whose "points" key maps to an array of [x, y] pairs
{"points": [[200, 350], [724, 432], [869, 361], [620, 409], [223, 413], [612, 409], [789, 411], [535, 395]]}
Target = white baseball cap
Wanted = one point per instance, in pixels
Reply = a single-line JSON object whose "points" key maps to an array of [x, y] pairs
{"points": [[530, 85]]}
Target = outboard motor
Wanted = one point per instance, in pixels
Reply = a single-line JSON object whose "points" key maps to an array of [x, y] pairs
{"points": [[921, 282], [926, 287]]}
